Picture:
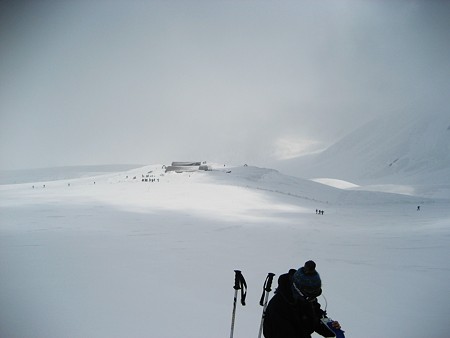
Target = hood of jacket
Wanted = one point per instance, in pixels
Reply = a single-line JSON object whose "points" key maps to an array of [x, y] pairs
{"points": [[284, 288]]}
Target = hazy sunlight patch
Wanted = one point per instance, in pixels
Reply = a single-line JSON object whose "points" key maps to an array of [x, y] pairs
{"points": [[290, 147]]}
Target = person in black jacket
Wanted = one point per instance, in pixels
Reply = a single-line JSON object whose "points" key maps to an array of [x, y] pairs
{"points": [[294, 312]]}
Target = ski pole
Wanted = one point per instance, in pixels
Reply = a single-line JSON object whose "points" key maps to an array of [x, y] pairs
{"points": [[239, 284], [264, 297]]}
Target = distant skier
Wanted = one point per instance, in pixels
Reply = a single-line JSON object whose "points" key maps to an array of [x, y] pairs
{"points": [[418, 208], [294, 312]]}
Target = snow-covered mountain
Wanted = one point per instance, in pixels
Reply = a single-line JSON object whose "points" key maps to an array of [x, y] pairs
{"points": [[404, 148]]}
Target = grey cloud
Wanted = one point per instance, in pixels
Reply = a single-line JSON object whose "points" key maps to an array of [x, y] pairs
{"points": [[145, 82]]}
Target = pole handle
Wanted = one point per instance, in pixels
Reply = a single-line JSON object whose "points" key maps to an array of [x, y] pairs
{"points": [[237, 277], [264, 298], [240, 284], [266, 287]]}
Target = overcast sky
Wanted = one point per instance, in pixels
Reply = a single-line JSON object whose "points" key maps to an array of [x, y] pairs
{"points": [[146, 82]]}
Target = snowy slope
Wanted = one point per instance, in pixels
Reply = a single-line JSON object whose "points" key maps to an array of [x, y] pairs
{"points": [[411, 149], [126, 258], [58, 173]]}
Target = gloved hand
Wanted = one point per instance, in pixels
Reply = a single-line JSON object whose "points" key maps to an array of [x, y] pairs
{"points": [[335, 324]]}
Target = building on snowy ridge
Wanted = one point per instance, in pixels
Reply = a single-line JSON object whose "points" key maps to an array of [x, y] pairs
{"points": [[180, 167]]}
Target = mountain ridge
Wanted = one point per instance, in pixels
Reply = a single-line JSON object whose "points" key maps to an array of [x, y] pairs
{"points": [[401, 149]]}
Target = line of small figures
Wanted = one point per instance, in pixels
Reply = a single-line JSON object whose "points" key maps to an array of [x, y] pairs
{"points": [[319, 212]]}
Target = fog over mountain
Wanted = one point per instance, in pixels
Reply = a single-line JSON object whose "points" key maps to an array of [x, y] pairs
{"points": [[406, 153], [394, 149], [103, 82]]}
